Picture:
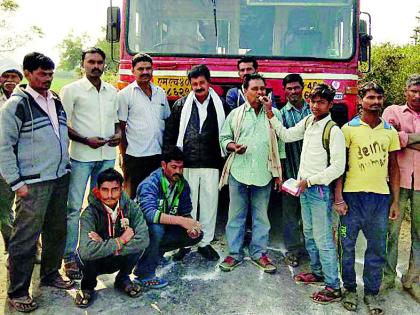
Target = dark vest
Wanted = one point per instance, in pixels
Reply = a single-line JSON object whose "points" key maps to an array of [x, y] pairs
{"points": [[202, 150]]}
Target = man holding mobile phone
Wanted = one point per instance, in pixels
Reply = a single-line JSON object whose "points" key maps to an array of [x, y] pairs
{"points": [[91, 108]]}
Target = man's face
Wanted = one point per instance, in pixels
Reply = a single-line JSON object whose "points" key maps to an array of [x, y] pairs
{"points": [[412, 95], [110, 193], [40, 79], [173, 170], [372, 101], [143, 71], [94, 65], [200, 86], [10, 80], [293, 92], [255, 89], [320, 106], [245, 68]]}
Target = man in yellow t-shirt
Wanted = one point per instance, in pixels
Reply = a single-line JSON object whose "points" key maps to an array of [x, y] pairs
{"points": [[367, 201]]}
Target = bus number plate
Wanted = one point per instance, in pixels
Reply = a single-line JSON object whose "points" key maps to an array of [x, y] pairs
{"points": [[309, 85], [173, 86]]}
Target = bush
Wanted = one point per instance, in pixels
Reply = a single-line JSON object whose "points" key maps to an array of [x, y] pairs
{"points": [[391, 66]]}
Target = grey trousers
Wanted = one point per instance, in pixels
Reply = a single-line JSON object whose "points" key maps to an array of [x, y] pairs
{"points": [[42, 211], [7, 196]]}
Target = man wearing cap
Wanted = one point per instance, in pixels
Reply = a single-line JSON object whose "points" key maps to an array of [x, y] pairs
{"points": [[11, 75]]}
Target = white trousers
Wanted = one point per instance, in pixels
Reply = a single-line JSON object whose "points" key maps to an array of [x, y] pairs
{"points": [[204, 185]]}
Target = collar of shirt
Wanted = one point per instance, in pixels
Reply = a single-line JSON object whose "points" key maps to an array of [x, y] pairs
{"points": [[321, 123], [405, 108], [380, 126], [36, 95], [248, 106], [289, 106], [88, 85], [152, 86], [112, 212], [205, 103]]}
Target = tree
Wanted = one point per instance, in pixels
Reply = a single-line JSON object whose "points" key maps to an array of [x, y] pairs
{"points": [[10, 40], [391, 66], [416, 30], [71, 49]]}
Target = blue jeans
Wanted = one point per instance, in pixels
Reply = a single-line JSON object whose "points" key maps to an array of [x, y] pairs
{"points": [[241, 198], [80, 174], [367, 212], [163, 238], [316, 206]]}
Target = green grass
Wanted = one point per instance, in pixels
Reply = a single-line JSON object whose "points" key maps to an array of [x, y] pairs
{"points": [[60, 80]]}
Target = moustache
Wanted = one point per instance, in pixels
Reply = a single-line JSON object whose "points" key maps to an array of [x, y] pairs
{"points": [[97, 70], [177, 176], [199, 90]]}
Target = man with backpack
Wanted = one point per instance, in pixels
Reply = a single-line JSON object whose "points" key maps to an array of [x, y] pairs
{"points": [[322, 161]]}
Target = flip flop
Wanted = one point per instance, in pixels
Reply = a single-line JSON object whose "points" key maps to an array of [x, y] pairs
{"points": [[83, 298]]}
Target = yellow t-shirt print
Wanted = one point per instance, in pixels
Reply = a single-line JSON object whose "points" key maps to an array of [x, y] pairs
{"points": [[368, 156]]}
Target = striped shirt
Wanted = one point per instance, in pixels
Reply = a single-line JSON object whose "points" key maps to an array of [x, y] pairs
{"points": [[250, 168], [145, 118], [290, 116]]}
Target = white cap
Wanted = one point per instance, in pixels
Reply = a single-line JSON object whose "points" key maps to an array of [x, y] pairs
{"points": [[7, 64]]}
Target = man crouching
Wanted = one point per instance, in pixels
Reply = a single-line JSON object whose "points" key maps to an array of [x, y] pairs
{"points": [[113, 235]]}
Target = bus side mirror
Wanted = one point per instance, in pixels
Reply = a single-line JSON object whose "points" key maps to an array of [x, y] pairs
{"points": [[365, 39], [113, 25]]}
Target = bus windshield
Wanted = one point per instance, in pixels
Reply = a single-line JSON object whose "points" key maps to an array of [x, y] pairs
{"points": [[270, 28]]}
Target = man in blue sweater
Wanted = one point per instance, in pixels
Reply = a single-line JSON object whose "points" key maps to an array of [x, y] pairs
{"points": [[164, 198]]}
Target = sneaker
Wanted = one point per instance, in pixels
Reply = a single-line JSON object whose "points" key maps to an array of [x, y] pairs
{"points": [[152, 283], [208, 252], [265, 264], [180, 254], [229, 264]]}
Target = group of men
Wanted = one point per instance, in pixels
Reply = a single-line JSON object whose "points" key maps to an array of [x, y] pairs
{"points": [[176, 159]]}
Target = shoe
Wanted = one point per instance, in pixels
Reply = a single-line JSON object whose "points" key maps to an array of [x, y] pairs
{"points": [[180, 254], [72, 271], [229, 264], [58, 282], [265, 264], [152, 283], [291, 260], [208, 252]]}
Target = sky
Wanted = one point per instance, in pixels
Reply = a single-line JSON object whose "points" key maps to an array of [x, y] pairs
{"points": [[390, 22]]}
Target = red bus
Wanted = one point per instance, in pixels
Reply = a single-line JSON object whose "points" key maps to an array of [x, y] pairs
{"points": [[323, 40]]}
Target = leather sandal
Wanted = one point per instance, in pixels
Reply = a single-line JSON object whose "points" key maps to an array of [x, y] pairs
{"points": [[128, 287], [24, 304]]}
